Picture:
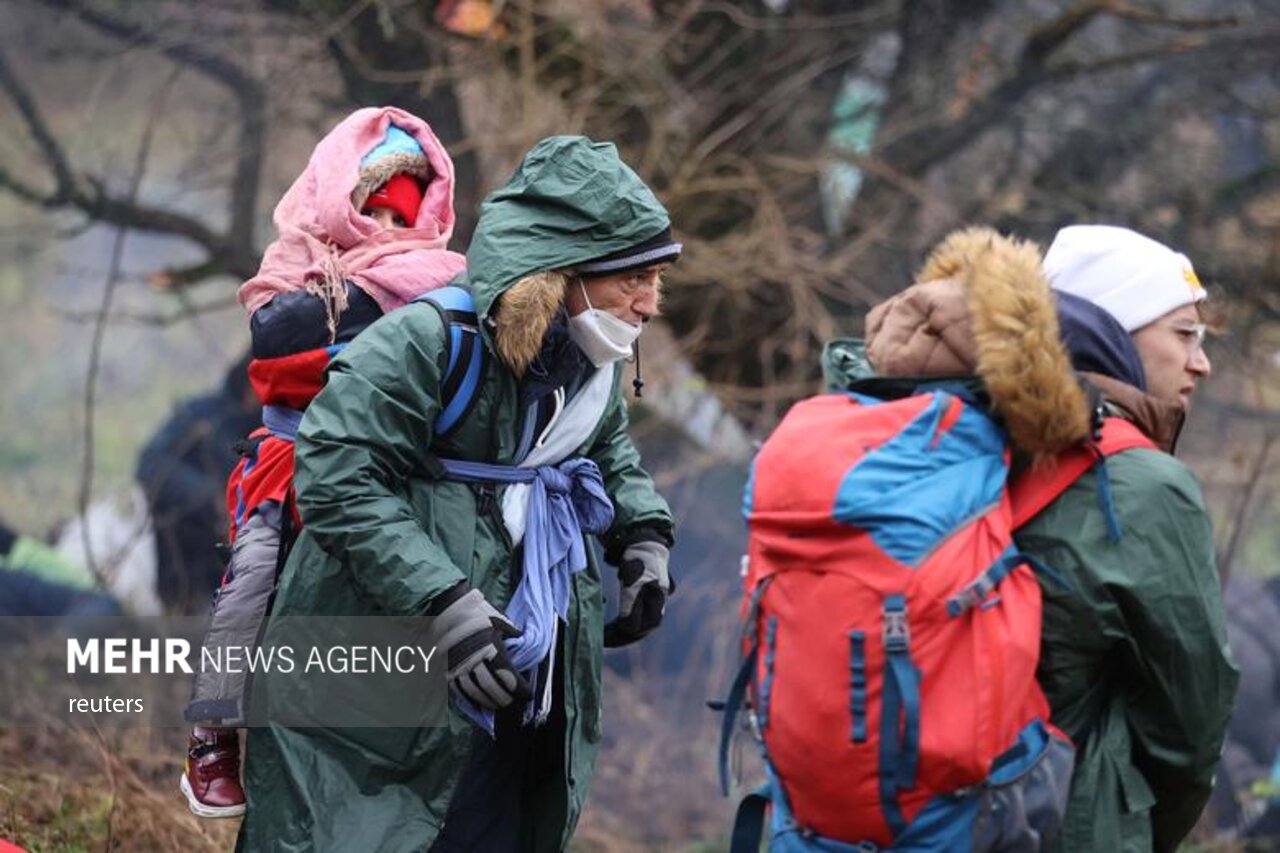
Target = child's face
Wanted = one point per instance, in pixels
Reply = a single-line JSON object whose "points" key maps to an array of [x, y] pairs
{"points": [[386, 217]]}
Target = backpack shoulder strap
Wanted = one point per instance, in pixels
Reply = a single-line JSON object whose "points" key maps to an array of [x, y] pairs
{"points": [[467, 355], [1035, 490]]}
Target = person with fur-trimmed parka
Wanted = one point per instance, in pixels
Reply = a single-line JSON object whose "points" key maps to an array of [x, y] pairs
{"points": [[1134, 658], [564, 267]]}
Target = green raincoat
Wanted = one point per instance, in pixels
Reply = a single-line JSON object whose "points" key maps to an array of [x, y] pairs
{"points": [[1135, 660], [382, 538]]}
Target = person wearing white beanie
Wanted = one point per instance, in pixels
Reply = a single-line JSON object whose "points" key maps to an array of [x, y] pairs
{"points": [[1152, 292], [1134, 655]]}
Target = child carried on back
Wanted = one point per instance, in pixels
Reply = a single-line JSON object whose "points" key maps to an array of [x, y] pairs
{"points": [[362, 231]]}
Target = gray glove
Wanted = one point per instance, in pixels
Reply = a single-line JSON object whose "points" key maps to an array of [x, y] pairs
{"points": [[646, 583], [471, 633]]}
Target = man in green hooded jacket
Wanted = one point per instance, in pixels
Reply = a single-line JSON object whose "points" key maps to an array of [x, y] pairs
{"points": [[563, 269]]}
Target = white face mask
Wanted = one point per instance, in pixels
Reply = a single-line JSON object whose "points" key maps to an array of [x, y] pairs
{"points": [[602, 337]]}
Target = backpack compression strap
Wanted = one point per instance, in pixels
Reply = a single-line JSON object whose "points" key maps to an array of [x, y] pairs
{"points": [[1035, 490], [461, 385]]}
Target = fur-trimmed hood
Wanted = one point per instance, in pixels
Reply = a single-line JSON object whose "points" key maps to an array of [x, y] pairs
{"points": [[527, 310], [570, 200], [982, 306]]}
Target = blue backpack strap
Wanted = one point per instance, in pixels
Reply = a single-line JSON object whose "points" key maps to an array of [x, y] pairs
{"points": [[733, 704], [858, 686], [899, 750], [748, 823], [738, 689], [460, 388]]}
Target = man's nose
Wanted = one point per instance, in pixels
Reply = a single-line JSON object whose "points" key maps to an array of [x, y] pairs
{"points": [[645, 305], [1199, 364]]}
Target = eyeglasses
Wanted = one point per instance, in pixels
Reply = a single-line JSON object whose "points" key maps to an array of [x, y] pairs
{"points": [[1192, 335], [649, 278]]}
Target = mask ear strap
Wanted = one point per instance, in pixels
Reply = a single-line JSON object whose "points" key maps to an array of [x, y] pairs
{"points": [[583, 287], [637, 383]]}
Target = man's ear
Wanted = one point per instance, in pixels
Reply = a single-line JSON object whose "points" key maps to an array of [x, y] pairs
{"points": [[574, 288]]}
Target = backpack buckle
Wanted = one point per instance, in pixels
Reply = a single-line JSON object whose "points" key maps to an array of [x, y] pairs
{"points": [[971, 596], [753, 725], [897, 634]]}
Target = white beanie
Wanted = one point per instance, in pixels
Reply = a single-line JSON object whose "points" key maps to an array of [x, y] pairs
{"points": [[1132, 277]]}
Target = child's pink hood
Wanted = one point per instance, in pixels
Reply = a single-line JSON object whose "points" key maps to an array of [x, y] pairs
{"points": [[317, 226]]}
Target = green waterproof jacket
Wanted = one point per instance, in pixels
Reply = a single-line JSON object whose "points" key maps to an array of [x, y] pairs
{"points": [[380, 537], [1135, 661]]}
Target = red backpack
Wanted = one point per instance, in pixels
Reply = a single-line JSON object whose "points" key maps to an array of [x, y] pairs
{"points": [[892, 628]]}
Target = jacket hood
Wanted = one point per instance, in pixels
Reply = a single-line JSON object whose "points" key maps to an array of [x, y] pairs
{"points": [[1096, 342], [322, 239], [569, 201], [1160, 420], [1104, 354], [982, 306]]}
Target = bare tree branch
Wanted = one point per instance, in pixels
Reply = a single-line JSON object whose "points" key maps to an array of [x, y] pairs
{"points": [[24, 191], [792, 86], [1228, 556], [1050, 38], [215, 66], [914, 151], [1132, 12], [1186, 46], [876, 15], [99, 332], [88, 194], [44, 138], [237, 247]]}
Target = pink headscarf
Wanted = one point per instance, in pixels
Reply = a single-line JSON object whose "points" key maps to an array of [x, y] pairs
{"points": [[322, 238]]}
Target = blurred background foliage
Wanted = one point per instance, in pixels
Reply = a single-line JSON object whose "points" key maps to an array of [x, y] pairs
{"points": [[810, 152]]}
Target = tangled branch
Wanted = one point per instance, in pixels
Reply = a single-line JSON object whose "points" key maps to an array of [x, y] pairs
{"points": [[228, 252]]}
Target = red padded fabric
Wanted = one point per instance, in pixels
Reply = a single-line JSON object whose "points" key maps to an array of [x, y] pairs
{"points": [[291, 380]]}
